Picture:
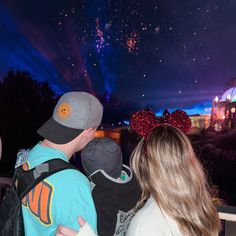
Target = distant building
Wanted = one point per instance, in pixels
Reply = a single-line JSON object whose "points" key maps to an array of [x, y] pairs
{"points": [[223, 115], [200, 122], [109, 133]]}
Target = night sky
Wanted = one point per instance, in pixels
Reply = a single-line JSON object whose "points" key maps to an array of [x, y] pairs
{"points": [[162, 54]]}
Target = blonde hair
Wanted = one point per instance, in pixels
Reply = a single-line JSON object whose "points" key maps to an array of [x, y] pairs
{"points": [[166, 168]]}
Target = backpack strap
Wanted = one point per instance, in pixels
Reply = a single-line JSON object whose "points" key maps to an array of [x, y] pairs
{"points": [[27, 180]]}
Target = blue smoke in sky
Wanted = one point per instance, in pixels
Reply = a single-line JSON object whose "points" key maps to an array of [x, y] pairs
{"points": [[105, 53], [18, 53]]}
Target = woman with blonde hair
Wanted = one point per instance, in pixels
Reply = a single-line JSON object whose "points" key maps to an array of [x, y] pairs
{"points": [[175, 200]]}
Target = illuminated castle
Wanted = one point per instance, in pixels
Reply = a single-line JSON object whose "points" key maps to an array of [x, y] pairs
{"points": [[223, 115]]}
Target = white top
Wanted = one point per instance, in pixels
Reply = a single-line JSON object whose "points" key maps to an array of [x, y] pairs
{"points": [[152, 221]]}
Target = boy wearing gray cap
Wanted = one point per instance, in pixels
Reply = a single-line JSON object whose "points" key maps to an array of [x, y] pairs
{"points": [[59, 198], [115, 191]]}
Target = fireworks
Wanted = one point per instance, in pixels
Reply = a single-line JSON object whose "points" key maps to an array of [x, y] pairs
{"points": [[100, 35], [132, 42]]}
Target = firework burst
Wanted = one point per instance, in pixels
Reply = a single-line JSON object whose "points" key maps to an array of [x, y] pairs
{"points": [[99, 33], [132, 42]]}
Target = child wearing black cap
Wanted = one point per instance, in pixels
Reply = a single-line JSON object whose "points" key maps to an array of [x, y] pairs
{"points": [[115, 190]]}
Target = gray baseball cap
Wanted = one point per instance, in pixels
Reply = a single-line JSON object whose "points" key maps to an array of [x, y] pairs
{"points": [[102, 154], [73, 113]]}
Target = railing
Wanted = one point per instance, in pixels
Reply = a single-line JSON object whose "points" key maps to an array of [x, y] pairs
{"points": [[4, 185], [227, 215]]}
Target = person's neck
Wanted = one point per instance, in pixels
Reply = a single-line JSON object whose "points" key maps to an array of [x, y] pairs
{"points": [[62, 147]]}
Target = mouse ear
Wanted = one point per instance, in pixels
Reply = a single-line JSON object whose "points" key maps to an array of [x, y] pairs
{"points": [[143, 122], [181, 120]]}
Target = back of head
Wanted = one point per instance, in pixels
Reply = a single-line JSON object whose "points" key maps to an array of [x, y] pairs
{"points": [[73, 113], [167, 168], [102, 154]]}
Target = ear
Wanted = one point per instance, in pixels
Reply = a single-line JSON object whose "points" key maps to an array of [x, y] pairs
{"points": [[142, 122], [181, 120], [89, 133], [85, 137]]}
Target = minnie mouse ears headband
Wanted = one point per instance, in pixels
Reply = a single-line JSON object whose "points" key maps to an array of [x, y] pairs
{"points": [[144, 121]]}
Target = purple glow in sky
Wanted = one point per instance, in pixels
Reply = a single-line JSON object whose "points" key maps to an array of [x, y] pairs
{"points": [[184, 54]]}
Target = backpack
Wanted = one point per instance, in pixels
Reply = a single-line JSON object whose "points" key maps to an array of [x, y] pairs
{"points": [[11, 218]]}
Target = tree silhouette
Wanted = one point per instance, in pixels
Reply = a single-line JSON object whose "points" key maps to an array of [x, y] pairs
{"points": [[25, 105]]}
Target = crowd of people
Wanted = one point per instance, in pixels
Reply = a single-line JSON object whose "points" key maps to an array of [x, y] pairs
{"points": [[163, 192]]}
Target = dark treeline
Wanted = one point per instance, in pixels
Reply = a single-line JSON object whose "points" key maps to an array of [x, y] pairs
{"points": [[25, 104]]}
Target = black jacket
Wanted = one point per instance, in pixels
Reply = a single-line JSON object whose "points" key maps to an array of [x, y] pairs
{"points": [[114, 201]]}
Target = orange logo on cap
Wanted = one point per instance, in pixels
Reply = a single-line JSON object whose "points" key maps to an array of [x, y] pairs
{"points": [[64, 110]]}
